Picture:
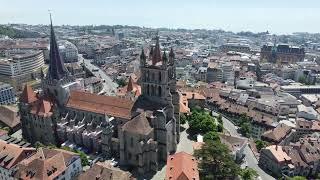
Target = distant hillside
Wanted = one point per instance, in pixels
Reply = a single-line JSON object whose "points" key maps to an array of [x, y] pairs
{"points": [[15, 33]]}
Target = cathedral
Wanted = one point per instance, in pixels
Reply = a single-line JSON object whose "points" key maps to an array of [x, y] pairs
{"points": [[141, 132]]}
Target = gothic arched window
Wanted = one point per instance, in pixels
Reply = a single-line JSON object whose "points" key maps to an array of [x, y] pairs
{"points": [[159, 77], [159, 91]]}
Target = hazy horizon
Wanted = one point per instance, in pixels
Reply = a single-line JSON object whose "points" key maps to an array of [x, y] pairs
{"points": [[277, 17]]}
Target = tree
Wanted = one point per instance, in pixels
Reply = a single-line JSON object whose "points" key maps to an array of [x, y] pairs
{"points": [[38, 145], [183, 119], [248, 174], [297, 178], [245, 129], [215, 161], [83, 156], [220, 119], [245, 125], [211, 136], [121, 82], [220, 128], [260, 144], [201, 122]]}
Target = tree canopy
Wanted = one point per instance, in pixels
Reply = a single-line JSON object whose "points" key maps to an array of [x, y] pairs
{"points": [[216, 161], [201, 122]]}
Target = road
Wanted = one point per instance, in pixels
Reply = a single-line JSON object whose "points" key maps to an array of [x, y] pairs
{"points": [[109, 87], [185, 145], [250, 158]]}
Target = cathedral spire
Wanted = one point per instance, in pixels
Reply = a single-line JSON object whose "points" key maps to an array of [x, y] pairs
{"points": [[57, 70], [164, 58], [156, 56], [142, 58], [171, 56]]}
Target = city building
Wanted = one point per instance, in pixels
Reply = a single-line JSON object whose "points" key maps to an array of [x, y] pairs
{"points": [[296, 159], [68, 51], [103, 171], [275, 160], [7, 94], [298, 89], [11, 155], [182, 166], [20, 67], [235, 144], [10, 117], [307, 113], [237, 47], [282, 54], [49, 164]]}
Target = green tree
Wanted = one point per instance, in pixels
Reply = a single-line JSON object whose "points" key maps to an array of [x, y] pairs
{"points": [[219, 118], [220, 128], [216, 161], [297, 178], [38, 145], [83, 156], [245, 129], [260, 144], [183, 119], [121, 82], [211, 136], [201, 122], [248, 174]]}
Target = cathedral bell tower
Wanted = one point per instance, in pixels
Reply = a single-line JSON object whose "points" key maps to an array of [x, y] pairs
{"points": [[55, 84]]}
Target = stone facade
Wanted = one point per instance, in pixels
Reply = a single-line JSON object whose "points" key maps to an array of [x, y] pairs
{"points": [[142, 132]]}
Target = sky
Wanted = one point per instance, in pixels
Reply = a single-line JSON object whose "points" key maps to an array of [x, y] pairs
{"points": [[276, 16]]}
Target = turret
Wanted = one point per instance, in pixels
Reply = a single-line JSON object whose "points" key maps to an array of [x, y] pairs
{"points": [[142, 58]]}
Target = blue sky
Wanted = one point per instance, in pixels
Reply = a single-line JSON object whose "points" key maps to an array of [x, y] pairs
{"points": [[277, 16]]}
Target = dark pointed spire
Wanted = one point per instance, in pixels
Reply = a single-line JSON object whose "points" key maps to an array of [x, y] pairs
{"points": [[164, 57], [142, 58], [171, 56], [156, 53], [57, 70]]}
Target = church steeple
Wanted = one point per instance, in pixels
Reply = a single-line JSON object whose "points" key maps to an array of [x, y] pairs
{"points": [[57, 70], [142, 58], [171, 56], [164, 58], [156, 55]]}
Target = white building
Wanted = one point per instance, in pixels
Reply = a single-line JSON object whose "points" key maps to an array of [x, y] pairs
{"points": [[227, 72], [7, 95], [307, 113], [19, 67], [68, 51]]}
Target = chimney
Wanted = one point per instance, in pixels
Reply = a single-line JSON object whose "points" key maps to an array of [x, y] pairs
{"points": [[192, 95], [276, 147]]}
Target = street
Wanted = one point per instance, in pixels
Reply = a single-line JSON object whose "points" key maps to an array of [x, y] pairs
{"points": [[250, 158], [185, 145], [109, 87]]}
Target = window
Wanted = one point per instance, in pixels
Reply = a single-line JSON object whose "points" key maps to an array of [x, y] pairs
{"points": [[129, 156], [137, 157], [131, 143]]}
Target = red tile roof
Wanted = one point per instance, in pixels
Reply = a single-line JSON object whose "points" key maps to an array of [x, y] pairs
{"points": [[12, 154], [138, 125], [42, 108], [104, 171], [45, 164], [112, 106], [181, 166], [28, 95]]}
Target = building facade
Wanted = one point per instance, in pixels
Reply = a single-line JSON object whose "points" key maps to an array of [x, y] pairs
{"points": [[20, 67], [7, 94], [282, 54]]}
